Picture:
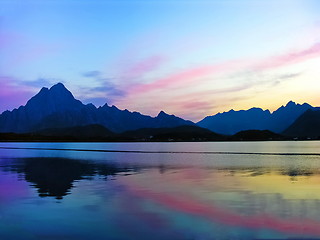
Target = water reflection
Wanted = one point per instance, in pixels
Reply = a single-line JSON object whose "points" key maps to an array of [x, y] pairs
{"points": [[292, 172], [55, 177], [156, 200]]}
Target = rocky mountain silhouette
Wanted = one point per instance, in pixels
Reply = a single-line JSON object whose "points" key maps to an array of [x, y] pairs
{"points": [[284, 116], [307, 125], [232, 121], [57, 108]]}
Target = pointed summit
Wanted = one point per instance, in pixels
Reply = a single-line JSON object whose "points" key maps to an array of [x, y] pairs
{"points": [[291, 104], [169, 120], [59, 90], [43, 90], [56, 99], [162, 114], [59, 85]]}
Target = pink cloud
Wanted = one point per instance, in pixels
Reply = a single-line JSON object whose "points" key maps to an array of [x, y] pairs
{"points": [[193, 105], [211, 92], [147, 65], [189, 77], [170, 92], [185, 78], [191, 109], [290, 58]]}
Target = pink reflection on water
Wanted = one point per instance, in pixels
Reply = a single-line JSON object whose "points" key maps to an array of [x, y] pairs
{"points": [[11, 188], [215, 213]]}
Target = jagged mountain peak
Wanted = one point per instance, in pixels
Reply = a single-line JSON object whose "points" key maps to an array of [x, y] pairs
{"points": [[104, 106], [58, 86], [232, 111], [59, 89], [44, 90], [55, 98], [256, 109], [292, 106], [291, 103], [162, 114]]}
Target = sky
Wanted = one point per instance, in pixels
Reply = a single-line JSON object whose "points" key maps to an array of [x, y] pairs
{"points": [[191, 58]]}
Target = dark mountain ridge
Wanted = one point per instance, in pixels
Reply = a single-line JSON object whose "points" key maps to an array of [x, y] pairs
{"points": [[306, 126], [57, 108], [232, 121]]}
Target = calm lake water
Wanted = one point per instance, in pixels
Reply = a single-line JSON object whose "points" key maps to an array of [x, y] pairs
{"points": [[227, 190]]}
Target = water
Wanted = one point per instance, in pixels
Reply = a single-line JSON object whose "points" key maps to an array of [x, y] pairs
{"points": [[227, 190]]}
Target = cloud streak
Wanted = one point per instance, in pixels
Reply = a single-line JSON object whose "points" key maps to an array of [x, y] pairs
{"points": [[191, 76], [147, 65], [206, 82], [289, 58], [184, 78], [106, 91], [92, 74]]}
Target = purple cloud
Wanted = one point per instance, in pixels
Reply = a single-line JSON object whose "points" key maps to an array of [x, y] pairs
{"points": [[92, 74], [12, 95]]}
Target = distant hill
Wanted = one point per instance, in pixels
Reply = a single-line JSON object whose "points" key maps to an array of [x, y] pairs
{"points": [[307, 125], [181, 133], [255, 118], [57, 108], [83, 132], [99, 133], [256, 135], [234, 121]]}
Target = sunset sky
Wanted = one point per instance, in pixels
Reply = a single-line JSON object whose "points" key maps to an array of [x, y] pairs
{"points": [[191, 58]]}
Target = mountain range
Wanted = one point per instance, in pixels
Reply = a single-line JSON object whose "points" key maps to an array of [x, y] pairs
{"points": [[57, 108], [55, 111], [232, 121]]}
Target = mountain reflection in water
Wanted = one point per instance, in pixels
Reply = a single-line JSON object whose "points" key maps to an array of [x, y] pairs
{"points": [[145, 197], [55, 176]]}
